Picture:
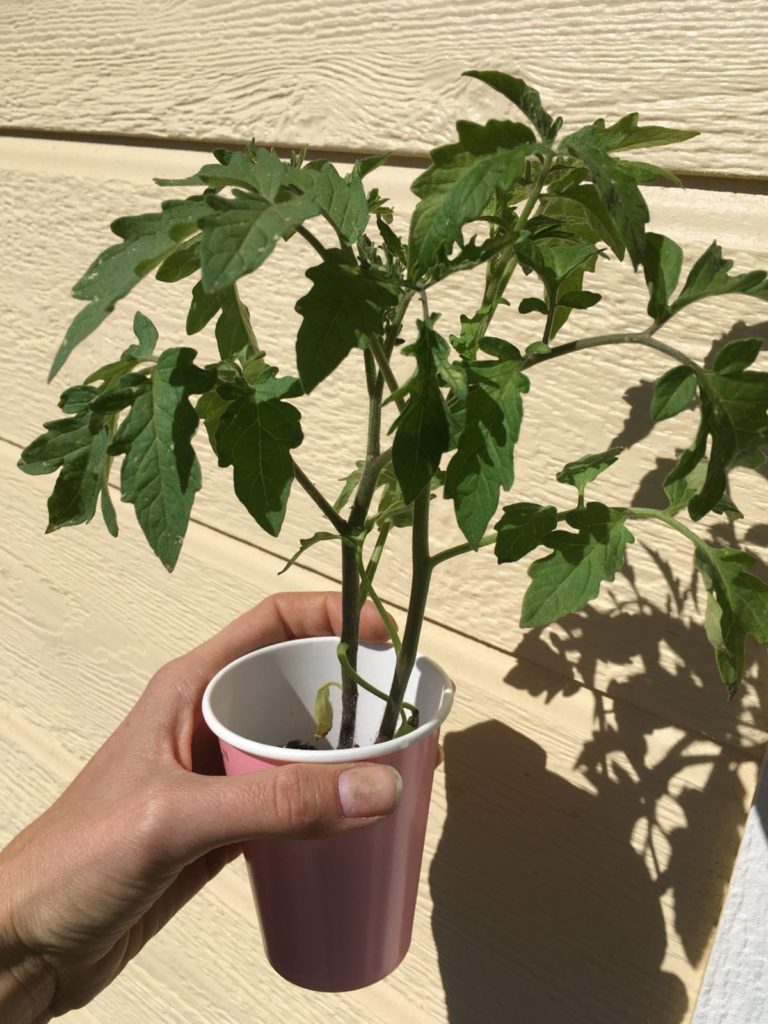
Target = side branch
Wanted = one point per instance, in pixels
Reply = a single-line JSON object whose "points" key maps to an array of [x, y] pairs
{"points": [[322, 502], [623, 338]]}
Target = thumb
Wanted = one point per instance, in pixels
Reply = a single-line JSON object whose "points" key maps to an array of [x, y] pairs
{"points": [[297, 800]]}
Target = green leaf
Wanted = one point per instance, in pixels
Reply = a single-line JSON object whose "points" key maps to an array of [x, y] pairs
{"points": [[673, 392], [363, 167], [116, 399], [342, 310], [582, 208], [261, 171], [680, 490], [148, 239], [616, 187], [483, 464], [205, 305], [709, 276], [324, 711], [523, 96], [648, 174], [182, 262], [210, 408], [256, 440], [454, 194], [569, 578], [349, 485], [342, 200], [583, 471], [234, 332], [482, 140], [308, 542], [146, 335], [78, 448], [661, 266], [579, 299], [421, 430], [737, 356], [533, 305], [553, 262], [392, 509], [108, 509], [633, 136], [160, 474], [522, 528], [242, 232], [77, 399], [734, 411], [737, 606]]}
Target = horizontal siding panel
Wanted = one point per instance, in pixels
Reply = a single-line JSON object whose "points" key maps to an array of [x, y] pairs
{"points": [[576, 406], [385, 74], [547, 844]]}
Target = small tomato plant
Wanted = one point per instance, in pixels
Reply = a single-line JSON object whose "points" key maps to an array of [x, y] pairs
{"points": [[551, 205]]}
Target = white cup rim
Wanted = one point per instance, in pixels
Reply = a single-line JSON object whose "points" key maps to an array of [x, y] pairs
{"points": [[266, 751]]}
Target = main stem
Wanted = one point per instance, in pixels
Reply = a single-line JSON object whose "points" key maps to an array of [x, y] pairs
{"points": [[417, 603], [350, 577]]}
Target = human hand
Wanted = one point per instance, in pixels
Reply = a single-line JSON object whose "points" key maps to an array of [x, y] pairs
{"points": [[150, 820]]}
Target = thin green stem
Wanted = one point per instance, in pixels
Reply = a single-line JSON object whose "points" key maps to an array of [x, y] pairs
{"points": [[672, 522], [461, 549], [378, 550], [549, 325], [372, 380], [316, 244], [369, 590], [385, 369], [320, 500], [620, 338], [343, 656]]}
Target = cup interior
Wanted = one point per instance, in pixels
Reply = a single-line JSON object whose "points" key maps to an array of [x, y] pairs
{"points": [[267, 697]]}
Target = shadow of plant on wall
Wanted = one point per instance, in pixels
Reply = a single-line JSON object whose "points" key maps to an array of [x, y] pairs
{"points": [[550, 898], [597, 902]]}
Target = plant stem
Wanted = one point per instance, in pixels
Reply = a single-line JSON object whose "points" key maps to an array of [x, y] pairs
{"points": [[341, 653], [368, 589], [316, 244], [621, 338], [350, 576], [350, 636], [385, 369], [378, 550], [673, 523], [461, 549], [322, 503], [422, 573]]}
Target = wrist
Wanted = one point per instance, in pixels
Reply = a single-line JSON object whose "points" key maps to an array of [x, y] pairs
{"points": [[26, 991], [27, 983]]}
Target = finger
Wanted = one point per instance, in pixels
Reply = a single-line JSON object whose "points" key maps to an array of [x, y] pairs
{"points": [[280, 617], [295, 800]]}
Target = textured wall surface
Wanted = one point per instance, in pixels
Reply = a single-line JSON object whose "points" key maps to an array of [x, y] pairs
{"points": [[596, 783]]}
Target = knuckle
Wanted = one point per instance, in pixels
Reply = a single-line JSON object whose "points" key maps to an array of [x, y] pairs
{"points": [[298, 802], [151, 813]]}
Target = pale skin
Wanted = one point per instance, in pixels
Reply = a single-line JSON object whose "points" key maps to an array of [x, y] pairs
{"points": [[149, 820]]}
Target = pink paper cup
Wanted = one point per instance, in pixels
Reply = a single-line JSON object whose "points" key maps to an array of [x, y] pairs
{"points": [[336, 912]]}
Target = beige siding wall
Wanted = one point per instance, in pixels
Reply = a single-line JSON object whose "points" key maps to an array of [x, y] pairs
{"points": [[596, 779]]}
